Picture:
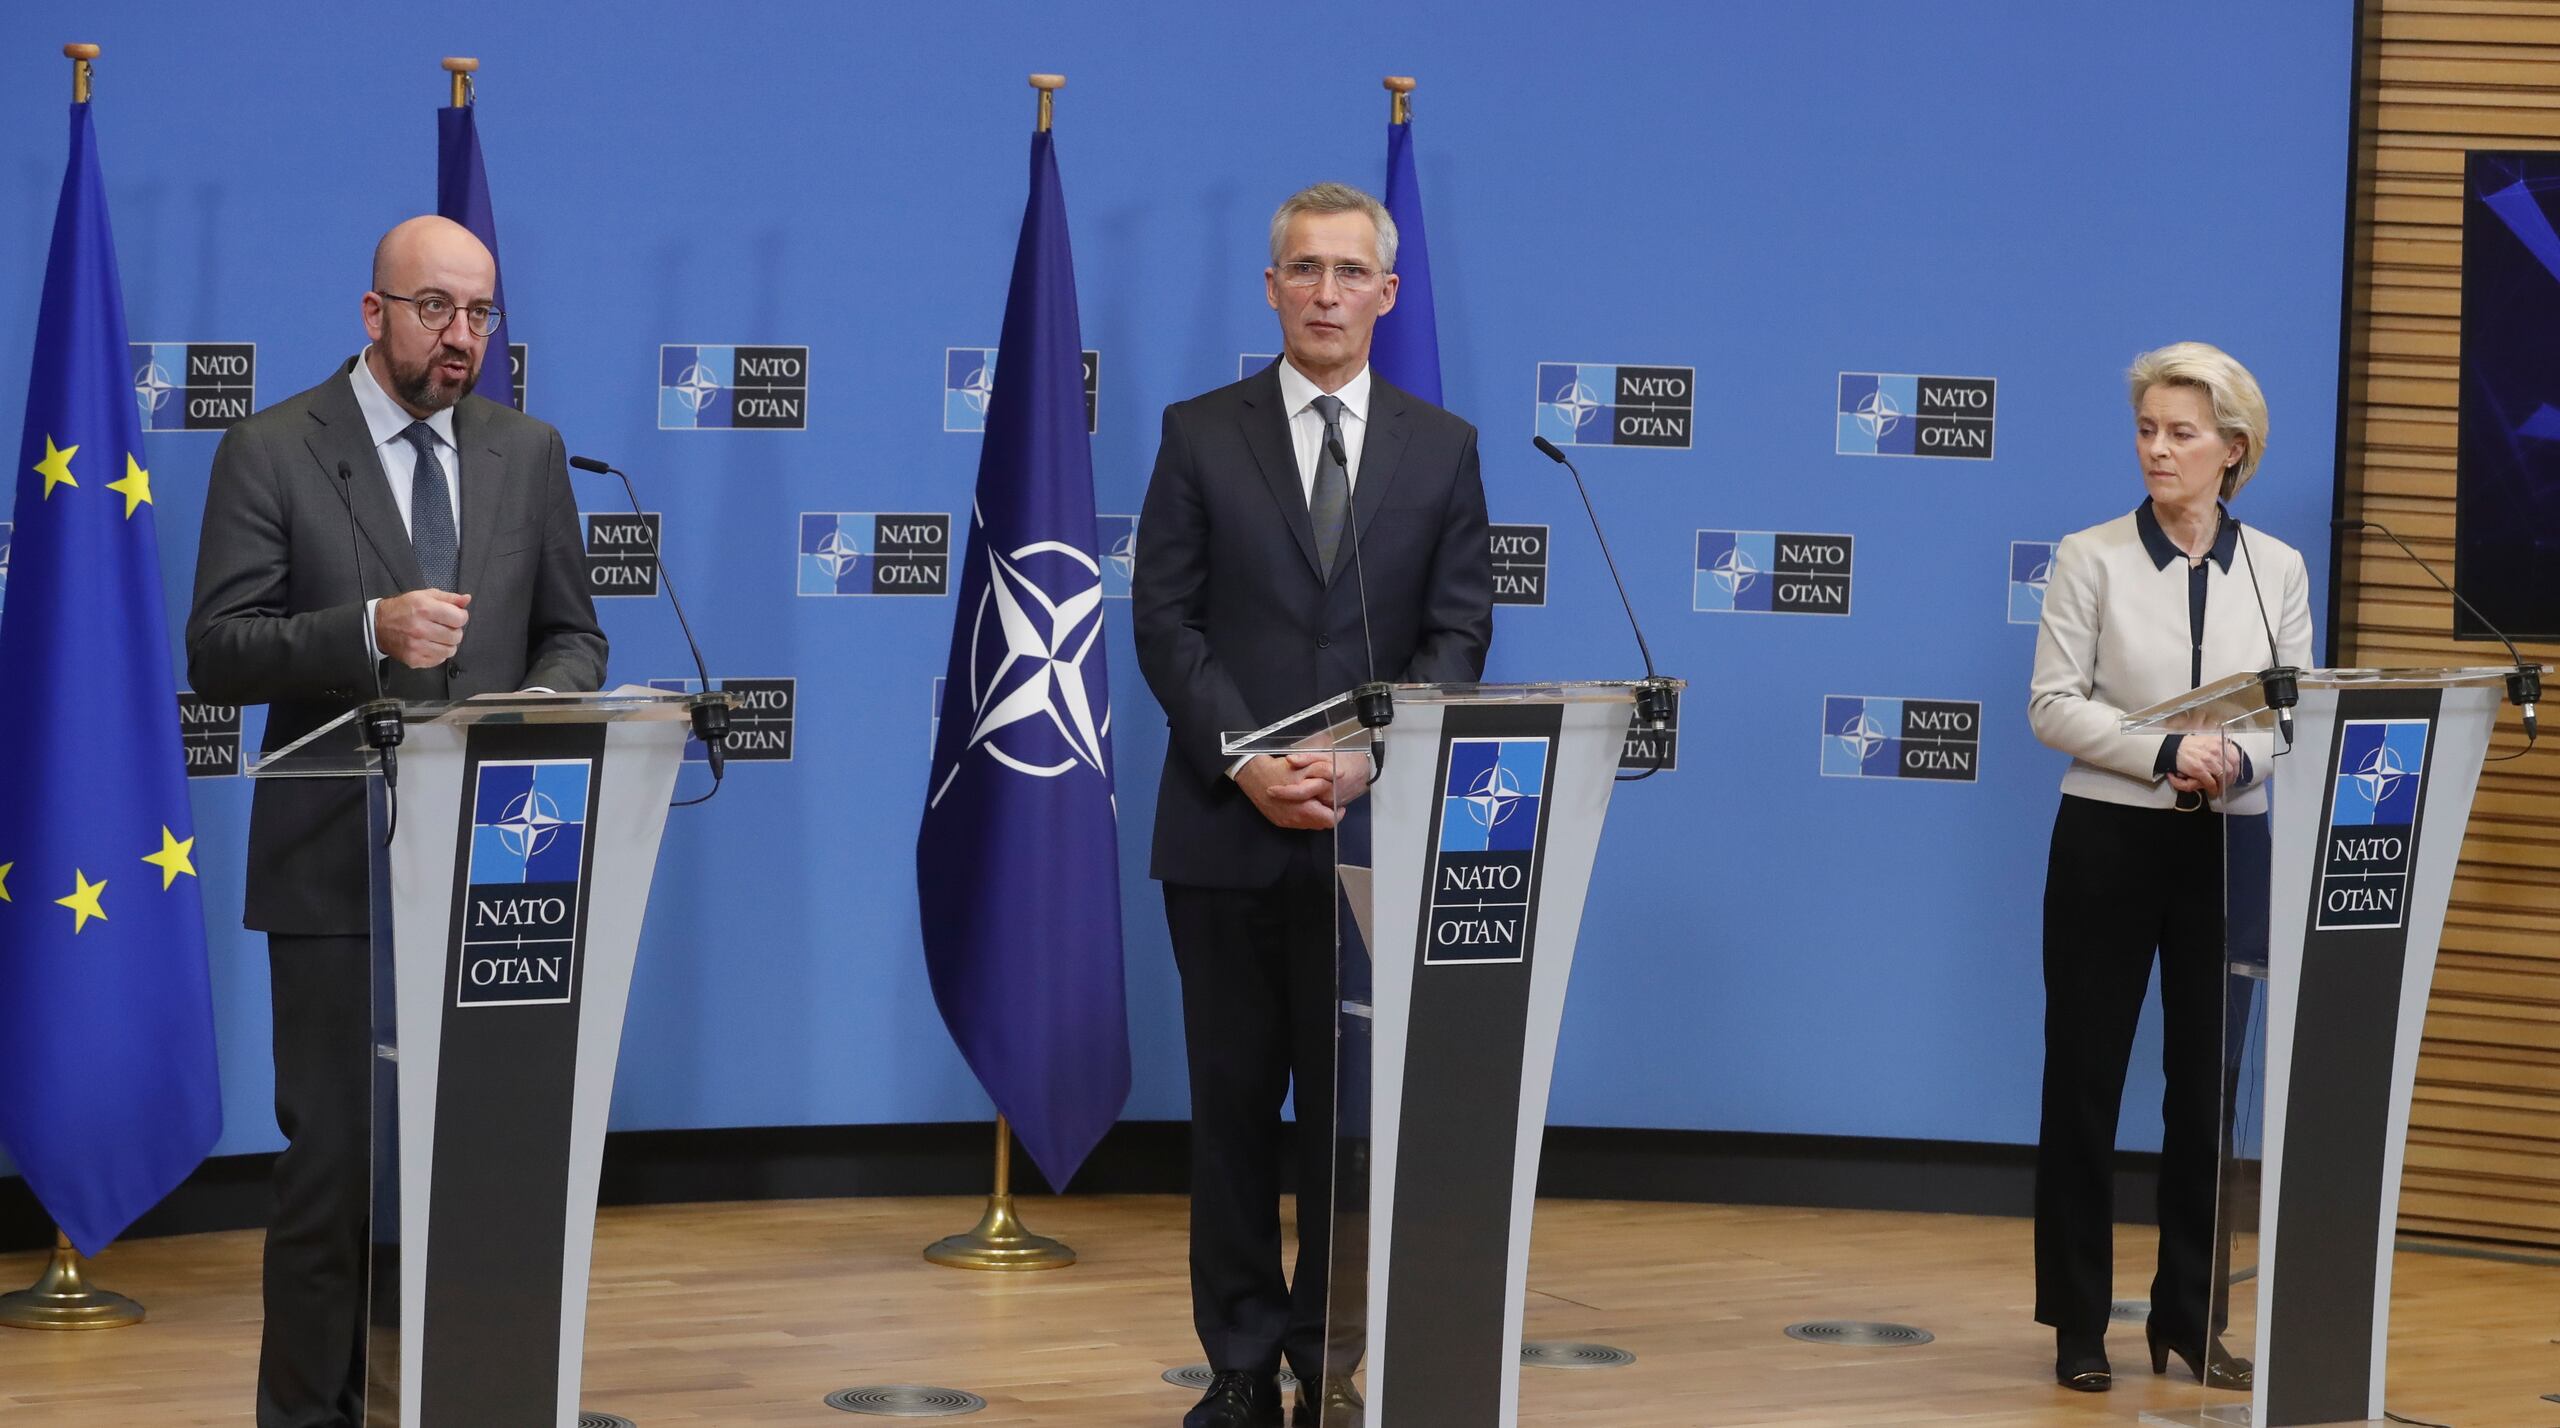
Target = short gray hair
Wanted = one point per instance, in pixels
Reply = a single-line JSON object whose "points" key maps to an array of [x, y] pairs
{"points": [[1336, 198], [2239, 408]]}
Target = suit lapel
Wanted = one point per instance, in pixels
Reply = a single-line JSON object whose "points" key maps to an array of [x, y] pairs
{"points": [[338, 435], [1381, 451], [482, 488], [1266, 435]]}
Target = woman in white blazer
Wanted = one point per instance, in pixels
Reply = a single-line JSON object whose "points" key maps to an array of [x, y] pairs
{"points": [[2140, 609]]}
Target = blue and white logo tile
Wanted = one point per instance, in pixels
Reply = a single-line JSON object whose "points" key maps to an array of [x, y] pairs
{"points": [[1873, 737], [1118, 537], [710, 387], [2370, 847], [193, 386], [526, 882], [1902, 414], [1602, 404], [969, 383], [874, 553], [2030, 569], [1772, 573]]}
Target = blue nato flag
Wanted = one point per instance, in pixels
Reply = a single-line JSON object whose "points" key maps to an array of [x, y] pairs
{"points": [[462, 194], [1406, 350], [1018, 857], [108, 1096]]}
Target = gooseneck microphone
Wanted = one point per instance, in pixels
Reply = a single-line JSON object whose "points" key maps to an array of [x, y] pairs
{"points": [[1375, 700], [2278, 679], [710, 716], [381, 722], [2524, 687], [1653, 693]]}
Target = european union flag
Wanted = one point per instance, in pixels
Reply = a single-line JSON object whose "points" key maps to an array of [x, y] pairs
{"points": [[1018, 858], [462, 194], [1406, 350], [107, 1081]]}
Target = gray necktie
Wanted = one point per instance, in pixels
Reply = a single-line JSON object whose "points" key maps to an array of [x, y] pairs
{"points": [[431, 512], [1329, 503]]}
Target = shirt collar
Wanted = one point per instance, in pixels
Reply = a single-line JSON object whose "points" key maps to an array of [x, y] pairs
{"points": [[2155, 540], [1297, 391], [385, 419]]}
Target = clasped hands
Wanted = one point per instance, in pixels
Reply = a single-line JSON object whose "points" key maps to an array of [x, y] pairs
{"points": [[1304, 790], [2207, 764], [422, 628]]}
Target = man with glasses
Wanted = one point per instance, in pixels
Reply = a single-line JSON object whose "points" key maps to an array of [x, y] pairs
{"points": [[1248, 609], [387, 522]]}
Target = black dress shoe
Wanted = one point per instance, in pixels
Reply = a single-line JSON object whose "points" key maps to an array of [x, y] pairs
{"points": [[2080, 1362], [2221, 1368], [1237, 1400]]}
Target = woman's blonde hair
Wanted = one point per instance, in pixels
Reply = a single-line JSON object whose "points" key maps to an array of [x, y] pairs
{"points": [[2239, 408]]}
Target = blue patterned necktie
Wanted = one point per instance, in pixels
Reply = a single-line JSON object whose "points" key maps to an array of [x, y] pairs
{"points": [[431, 512], [1329, 502]]}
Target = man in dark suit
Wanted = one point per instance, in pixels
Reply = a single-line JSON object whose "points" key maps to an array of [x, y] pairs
{"points": [[1247, 610], [473, 579]]}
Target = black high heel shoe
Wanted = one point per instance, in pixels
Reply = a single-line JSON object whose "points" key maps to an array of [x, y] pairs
{"points": [[2221, 1367], [2080, 1362]]}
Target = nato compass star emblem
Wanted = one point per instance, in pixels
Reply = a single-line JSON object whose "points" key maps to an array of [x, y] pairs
{"points": [[1493, 797], [1034, 707], [978, 386], [1861, 735], [151, 387], [835, 553], [529, 823], [1124, 557], [1580, 403], [1877, 414], [1734, 571], [2380, 774], [695, 386]]}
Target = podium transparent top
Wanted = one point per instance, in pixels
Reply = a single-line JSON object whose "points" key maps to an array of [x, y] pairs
{"points": [[1335, 723], [2240, 701], [337, 749]]}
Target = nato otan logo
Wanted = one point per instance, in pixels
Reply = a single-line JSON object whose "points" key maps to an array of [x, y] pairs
{"points": [[622, 553], [1592, 404], [706, 388], [1866, 736], [526, 883], [762, 715], [1117, 537], [1898, 414], [210, 735], [194, 386], [1519, 565], [515, 372], [1655, 750], [875, 553], [969, 379], [2371, 844], [2030, 570], [1492, 813], [1772, 573]]}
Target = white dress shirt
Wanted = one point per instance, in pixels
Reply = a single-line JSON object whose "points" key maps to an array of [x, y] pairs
{"points": [[384, 421], [1306, 427]]}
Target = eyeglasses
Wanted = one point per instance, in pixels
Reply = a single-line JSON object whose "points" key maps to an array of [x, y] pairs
{"points": [[435, 314], [1350, 277]]}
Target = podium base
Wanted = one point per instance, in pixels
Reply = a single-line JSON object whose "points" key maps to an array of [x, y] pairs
{"points": [[62, 1299], [999, 1241]]}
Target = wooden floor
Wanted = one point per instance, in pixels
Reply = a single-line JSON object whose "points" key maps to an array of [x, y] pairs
{"points": [[751, 1314]]}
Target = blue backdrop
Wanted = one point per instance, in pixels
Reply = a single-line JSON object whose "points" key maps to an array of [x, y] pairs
{"points": [[1772, 195]]}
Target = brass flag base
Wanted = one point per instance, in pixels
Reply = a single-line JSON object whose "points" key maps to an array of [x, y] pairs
{"points": [[62, 1299], [999, 1241]]}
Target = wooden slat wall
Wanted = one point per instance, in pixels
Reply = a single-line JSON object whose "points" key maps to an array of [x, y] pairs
{"points": [[2440, 77]]}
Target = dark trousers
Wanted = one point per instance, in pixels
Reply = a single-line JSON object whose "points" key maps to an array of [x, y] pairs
{"points": [[2120, 884], [311, 1360], [1258, 1008]]}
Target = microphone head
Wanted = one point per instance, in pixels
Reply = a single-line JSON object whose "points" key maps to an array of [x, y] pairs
{"points": [[345, 472], [1333, 448], [2345, 523], [589, 463], [1549, 448]]}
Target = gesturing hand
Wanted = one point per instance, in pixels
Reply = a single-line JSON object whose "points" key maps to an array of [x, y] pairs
{"points": [[421, 629]]}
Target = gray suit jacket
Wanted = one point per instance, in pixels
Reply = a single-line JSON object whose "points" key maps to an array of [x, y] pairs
{"points": [[279, 611]]}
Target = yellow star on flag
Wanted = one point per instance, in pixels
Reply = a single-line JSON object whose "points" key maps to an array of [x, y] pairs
{"points": [[172, 859], [56, 466], [135, 487], [4, 880], [83, 901]]}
